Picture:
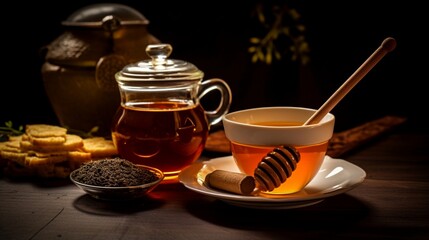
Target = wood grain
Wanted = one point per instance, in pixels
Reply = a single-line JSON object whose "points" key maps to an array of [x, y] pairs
{"points": [[391, 203]]}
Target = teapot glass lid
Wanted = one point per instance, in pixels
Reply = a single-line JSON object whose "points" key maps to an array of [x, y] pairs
{"points": [[160, 67]]}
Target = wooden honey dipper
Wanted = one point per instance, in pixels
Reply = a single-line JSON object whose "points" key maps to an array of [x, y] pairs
{"points": [[388, 45]]}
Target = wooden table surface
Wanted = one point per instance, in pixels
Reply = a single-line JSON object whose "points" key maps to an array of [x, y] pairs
{"points": [[391, 203]]}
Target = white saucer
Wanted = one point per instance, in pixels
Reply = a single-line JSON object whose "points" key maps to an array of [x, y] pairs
{"points": [[335, 176]]}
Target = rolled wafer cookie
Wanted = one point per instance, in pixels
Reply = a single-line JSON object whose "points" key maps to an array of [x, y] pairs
{"points": [[231, 181]]}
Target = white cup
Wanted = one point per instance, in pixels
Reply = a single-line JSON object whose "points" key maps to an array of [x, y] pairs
{"points": [[257, 131]]}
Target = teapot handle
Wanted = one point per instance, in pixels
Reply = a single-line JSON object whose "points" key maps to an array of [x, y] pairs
{"points": [[215, 116]]}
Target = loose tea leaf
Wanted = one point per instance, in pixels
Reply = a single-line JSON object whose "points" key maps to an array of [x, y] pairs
{"points": [[114, 172]]}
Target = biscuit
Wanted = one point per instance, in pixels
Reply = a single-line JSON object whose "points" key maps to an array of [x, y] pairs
{"points": [[10, 148], [48, 154], [72, 142], [77, 158], [45, 130], [99, 147], [2, 145], [31, 161], [49, 151], [3, 161], [18, 157], [61, 171], [12, 145], [47, 140]]}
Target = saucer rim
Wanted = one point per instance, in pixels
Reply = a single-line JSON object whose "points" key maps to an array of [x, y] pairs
{"points": [[188, 177]]}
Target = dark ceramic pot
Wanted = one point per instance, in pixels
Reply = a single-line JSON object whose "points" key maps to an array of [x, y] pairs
{"points": [[78, 72]]}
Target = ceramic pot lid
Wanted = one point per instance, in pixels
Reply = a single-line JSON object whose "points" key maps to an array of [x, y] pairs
{"points": [[94, 15]]}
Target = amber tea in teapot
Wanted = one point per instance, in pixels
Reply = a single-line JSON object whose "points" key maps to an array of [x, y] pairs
{"points": [[167, 135], [161, 122]]}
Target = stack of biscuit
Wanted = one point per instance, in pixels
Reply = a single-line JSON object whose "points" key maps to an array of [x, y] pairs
{"points": [[49, 151]]}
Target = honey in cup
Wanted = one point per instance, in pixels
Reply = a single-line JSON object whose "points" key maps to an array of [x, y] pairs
{"points": [[247, 158], [256, 132], [160, 122]]}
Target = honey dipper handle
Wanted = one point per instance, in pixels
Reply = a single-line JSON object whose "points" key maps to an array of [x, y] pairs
{"points": [[386, 46]]}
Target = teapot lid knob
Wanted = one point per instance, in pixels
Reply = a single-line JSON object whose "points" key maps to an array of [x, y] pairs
{"points": [[159, 53]]}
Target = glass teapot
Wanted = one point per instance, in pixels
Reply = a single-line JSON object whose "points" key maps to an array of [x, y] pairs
{"points": [[161, 121]]}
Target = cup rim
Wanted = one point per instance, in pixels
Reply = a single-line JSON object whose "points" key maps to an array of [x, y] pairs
{"points": [[248, 133], [227, 117]]}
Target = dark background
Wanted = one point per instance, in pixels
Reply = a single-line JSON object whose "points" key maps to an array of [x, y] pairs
{"points": [[214, 36]]}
